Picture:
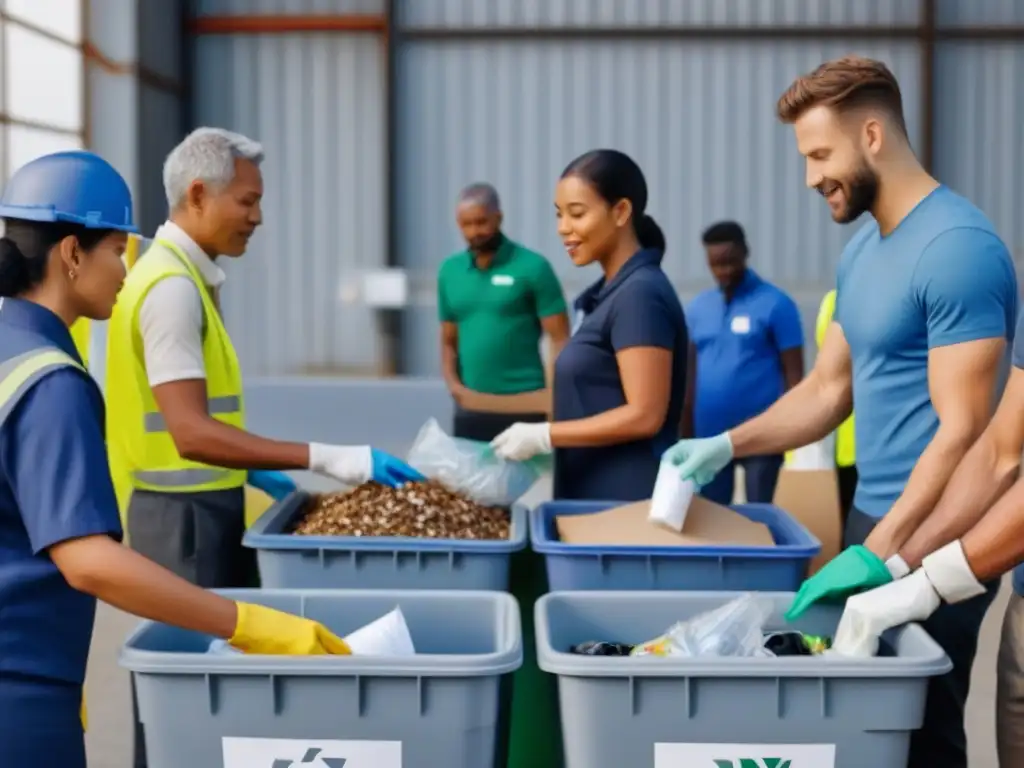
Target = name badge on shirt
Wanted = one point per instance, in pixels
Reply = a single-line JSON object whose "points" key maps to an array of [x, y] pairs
{"points": [[741, 324], [502, 280]]}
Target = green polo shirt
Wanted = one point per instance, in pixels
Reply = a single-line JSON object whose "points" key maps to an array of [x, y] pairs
{"points": [[498, 312]]}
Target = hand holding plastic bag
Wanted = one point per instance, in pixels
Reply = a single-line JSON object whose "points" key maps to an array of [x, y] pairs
{"points": [[471, 467]]}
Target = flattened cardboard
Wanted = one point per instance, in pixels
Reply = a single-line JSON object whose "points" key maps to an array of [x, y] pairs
{"points": [[811, 496], [707, 523], [538, 401]]}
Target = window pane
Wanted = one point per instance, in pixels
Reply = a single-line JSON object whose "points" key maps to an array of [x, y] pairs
{"points": [[44, 79], [62, 17], [25, 144]]}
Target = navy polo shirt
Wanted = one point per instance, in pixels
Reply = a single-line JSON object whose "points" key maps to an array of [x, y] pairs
{"points": [[739, 371], [54, 486], [637, 308]]}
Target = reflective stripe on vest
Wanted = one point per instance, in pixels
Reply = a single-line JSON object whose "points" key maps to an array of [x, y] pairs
{"points": [[142, 450], [19, 374]]}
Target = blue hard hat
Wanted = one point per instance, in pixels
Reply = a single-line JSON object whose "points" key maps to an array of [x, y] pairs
{"points": [[76, 187]]}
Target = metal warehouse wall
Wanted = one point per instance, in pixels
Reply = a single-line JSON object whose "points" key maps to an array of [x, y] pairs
{"points": [[316, 100], [373, 124]]}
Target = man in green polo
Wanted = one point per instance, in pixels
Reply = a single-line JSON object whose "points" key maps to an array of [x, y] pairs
{"points": [[496, 300]]}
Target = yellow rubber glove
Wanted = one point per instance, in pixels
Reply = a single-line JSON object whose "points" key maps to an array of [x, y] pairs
{"points": [[264, 630]]}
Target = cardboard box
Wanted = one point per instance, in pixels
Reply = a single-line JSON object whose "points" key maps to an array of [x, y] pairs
{"points": [[706, 524], [538, 401], [808, 490]]}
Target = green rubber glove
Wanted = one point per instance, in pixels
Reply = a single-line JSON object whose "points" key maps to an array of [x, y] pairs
{"points": [[853, 570]]}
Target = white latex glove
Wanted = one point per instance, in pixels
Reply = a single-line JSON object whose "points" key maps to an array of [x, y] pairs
{"points": [[350, 464], [943, 575], [523, 441]]}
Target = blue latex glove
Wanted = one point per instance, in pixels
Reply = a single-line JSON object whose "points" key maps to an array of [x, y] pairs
{"points": [[275, 484], [392, 471], [700, 460]]}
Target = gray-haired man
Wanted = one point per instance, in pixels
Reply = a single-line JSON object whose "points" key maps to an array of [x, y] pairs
{"points": [[495, 299]]}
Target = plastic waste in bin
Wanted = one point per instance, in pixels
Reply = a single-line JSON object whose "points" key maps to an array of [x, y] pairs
{"points": [[804, 711]]}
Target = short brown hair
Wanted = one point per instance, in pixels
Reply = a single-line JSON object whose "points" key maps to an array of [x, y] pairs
{"points": [[844, 84]]}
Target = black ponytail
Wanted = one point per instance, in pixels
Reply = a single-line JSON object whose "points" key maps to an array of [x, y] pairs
{"points": [[25, 250], [649, 234]]}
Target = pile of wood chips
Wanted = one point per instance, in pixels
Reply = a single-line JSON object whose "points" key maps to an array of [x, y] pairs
{"points": [[426, 510]]}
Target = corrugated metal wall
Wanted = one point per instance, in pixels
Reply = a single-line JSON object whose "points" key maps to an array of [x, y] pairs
{"points": [[699, 117], [317, 103]]}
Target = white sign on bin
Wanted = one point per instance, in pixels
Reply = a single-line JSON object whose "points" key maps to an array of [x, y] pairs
{"points": [[303, 753], [668, 755]]}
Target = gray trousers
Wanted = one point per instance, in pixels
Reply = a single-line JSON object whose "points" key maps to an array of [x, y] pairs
{"points": [[198, 536]]}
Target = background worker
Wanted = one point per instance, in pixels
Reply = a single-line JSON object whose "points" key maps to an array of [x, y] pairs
{"points": [[496, 300], [66, 217], [845, 448], [974, 535], [619, 383], [926, 300], [176, 421], [749, 350]]}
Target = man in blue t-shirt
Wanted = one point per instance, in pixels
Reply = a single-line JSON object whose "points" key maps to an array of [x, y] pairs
{"points": [[926, 301], [747, 350]]}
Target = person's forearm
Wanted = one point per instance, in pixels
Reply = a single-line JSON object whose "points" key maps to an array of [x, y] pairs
{"points": [[555, 347], [450, 367], [126, 580], [209, 441], [980, 479], [996, 544], [922, 492], [619, 425], [804, 415]]}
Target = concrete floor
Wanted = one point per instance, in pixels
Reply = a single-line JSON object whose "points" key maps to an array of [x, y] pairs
{"points": [[109, 739]]}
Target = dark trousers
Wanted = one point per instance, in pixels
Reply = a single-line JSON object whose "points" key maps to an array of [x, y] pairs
{"points": [[40, 723], [847, 480], [941, 741], [762, 473], [485, 426], [198, 536]]}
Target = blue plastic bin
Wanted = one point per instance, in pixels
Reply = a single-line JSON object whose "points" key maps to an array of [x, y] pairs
{"points": [[809, 712], [578, 567], [441, 707], [287, 561]]}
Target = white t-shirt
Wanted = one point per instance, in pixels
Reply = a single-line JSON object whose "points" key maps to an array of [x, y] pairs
{"points": [[171, 316]]}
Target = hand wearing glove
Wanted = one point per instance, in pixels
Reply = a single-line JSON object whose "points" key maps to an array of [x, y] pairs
{"points": [[275, 484], [855, 569], [700, 460], [943, 575], [523, 441], [355, 464], [267, 631]]}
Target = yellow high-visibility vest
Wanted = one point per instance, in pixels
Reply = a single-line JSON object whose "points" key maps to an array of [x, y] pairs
{"points": [[142, 451], [846, 454]]}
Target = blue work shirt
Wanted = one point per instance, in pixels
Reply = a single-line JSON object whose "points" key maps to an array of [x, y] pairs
{"points": [[941, 277], [739, 343], [636, 308], [54, 486]]}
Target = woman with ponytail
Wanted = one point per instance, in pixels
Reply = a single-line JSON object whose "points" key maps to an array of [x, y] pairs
{"points": [[620, 380], [66, 221]]}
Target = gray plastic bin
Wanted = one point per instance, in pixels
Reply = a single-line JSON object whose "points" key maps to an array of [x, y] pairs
{"points": [[815, 712], [288, 561], [441, 707]]}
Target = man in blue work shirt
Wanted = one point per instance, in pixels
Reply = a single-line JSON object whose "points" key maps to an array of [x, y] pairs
{"points": [[926, 301], [747, 350]]}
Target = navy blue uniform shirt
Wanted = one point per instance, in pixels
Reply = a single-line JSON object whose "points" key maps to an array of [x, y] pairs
{"points": [[54, 486], [739, 345], [637, 308]]}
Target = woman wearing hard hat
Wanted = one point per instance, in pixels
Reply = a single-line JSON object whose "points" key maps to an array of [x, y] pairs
{"points": [[67, 217]]}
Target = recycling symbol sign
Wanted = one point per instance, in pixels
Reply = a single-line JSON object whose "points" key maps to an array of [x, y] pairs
{"points": [[241, 752], [312, 756]]}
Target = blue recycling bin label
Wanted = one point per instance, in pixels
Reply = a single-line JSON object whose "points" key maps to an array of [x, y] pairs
{"points": [[305, 753], [668, 755]]}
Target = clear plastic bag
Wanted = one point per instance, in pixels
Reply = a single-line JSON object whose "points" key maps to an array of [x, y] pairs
{"points": [[470, 467], [734, 629]]}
